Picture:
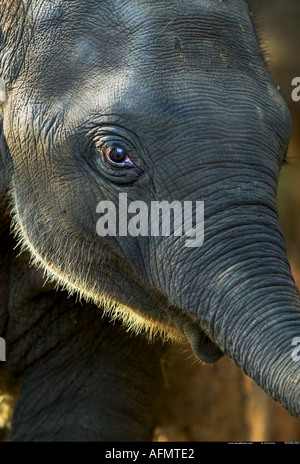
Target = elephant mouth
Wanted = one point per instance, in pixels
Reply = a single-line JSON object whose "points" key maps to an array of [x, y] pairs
{"points": [[203, 347]]}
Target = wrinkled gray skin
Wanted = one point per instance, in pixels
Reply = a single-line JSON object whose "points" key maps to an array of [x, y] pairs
{"points": [[184, 86]]}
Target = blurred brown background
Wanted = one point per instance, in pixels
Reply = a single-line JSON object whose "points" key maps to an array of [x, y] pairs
{"points": [[219, 403]]}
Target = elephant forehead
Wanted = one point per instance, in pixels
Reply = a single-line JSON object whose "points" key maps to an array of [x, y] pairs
{"points": [[132, 11], [113, 33], [124, 57]]}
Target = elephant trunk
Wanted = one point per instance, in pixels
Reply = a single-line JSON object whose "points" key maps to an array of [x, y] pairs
{"points": [[260, 338], [239, 289], [256, 325]]}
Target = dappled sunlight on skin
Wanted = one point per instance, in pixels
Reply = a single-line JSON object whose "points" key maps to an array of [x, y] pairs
{"points": [[5, 411]]}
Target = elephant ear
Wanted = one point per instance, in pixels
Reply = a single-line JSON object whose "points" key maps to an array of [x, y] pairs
{"points": [[5, 239], [13, 35], [5, 161]]}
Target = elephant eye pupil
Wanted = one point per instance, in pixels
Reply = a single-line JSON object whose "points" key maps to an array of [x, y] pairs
{"points": [[117, 155]]}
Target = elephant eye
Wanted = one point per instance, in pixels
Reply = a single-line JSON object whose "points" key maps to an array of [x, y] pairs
{"points": [[117, 156]]}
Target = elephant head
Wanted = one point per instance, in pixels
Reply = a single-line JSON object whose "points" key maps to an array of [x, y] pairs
{"points": [[113, 102]]}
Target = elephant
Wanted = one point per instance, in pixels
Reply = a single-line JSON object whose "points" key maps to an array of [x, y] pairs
{"points": [[118, 105]]}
